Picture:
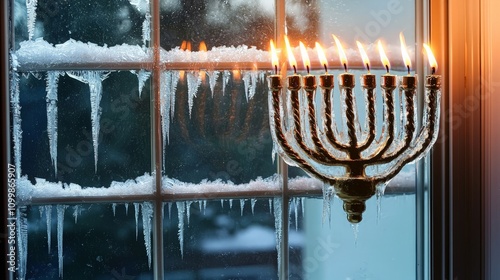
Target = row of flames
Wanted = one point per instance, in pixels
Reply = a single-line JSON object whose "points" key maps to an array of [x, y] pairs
{"points": [[343, 56]]}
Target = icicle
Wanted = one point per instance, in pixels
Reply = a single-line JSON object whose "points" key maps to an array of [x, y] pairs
{"points": [[76, 212], [296, 202], [278, 226], [41, 210], [204, 206], [147, 215], [48, 218], [181, 211], [136, 210], [274, 152], [246, 81], [16, 121], [212, 79], [328, 193], [126, 209], [355, 230], [225, 80], [254, 75], [252, 203], [173, 88], [188, 210], [146, 30], [60, 228], [94, 80], [222, 203], [113, 205], [193, 83], [31, 11], [303, 206], [142, 77], [22, 240], [262, 76], [199, 204], [231, 203], [242, 205], [271, 206], [380, 190], [165, 108], [170, 210], [51, 99]]}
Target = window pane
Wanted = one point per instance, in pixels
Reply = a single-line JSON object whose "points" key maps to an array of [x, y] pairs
{"points": [[97, 244], [123, 149], [227, 241], [102, 22]]}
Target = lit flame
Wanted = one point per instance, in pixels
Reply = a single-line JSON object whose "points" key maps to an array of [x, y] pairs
{"points": [[321, 56], [364, 56], [291, 58], [183, 45], [305, 56], [274, 57], [236, 75], [383, 57], [432, 59], [406, 57], [188, 46], [342, 56]]}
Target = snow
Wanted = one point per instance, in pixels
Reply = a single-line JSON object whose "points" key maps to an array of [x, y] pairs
{"points": [[40, 53]]}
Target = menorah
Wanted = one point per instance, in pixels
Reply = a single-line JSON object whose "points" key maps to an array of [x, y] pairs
{"points": [[352, 162]]}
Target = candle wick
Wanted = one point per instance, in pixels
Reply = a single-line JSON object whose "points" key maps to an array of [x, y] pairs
{"points": [[368, 67], [307, 67], [408, 66], [387, 68], [276, 69], [294, 69], [326, 69], [433, 70], [345, 67]]}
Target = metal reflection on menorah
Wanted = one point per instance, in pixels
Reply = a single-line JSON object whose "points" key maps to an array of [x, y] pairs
{"points": [[353, 162]]}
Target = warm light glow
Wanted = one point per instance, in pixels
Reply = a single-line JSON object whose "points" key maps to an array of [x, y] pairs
{"points": [[364, 56], [340, 49], [188, 46], [183, 45], [274, 57], [383, 57], [321, 56], [305, 56], [203, 50], [406, 57], [430, 56], [289, 52], [236, 75]]}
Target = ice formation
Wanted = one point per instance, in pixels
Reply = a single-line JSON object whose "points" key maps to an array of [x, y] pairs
{"points": [[52, 80], [136, 215], [31, 11], [60, 229], [48, 218], [181, 212], [16, 121], [94, 80], [142, 77], [193, 82], [22, 240], [212, 79], [147, 215], [278, 225]]}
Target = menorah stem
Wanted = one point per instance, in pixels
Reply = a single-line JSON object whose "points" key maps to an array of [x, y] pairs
{"points": [[346, 82], [369, 84]]}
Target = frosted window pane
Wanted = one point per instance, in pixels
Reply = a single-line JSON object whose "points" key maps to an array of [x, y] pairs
{"points": [[124, 151], [110, 22], [218, 23]]}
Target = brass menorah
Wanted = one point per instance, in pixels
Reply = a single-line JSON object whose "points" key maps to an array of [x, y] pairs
{"points": [[351, 159]]}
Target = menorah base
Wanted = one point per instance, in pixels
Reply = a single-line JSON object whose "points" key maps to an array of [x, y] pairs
{"points": [[354, 192]]}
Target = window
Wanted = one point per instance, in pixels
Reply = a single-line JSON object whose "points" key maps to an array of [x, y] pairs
{"points": [[179, 140]]}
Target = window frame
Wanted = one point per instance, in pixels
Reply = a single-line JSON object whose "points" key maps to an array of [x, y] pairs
{"points": [[156, 68]]}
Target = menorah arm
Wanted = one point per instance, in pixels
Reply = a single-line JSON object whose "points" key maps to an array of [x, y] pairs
{"points": [[328, 121], [389, 118], [280, 137], [409, 130], [425, 139], [370, 97]]}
